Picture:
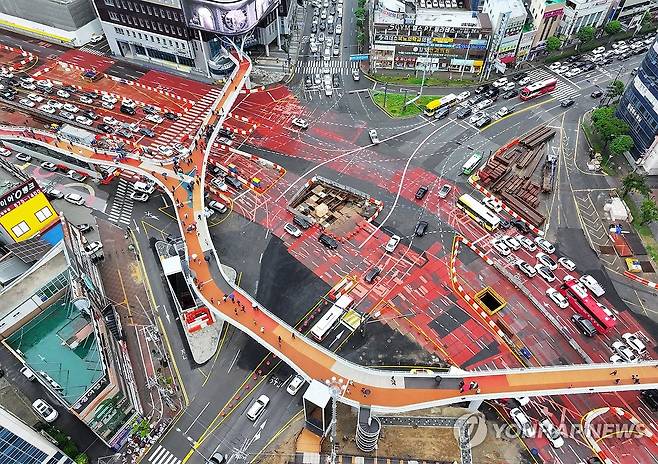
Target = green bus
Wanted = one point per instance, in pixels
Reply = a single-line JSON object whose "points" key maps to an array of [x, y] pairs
{"points": [[472, 163]]}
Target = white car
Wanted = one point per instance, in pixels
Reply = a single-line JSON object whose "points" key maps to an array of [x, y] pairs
{"points": [[92, 247], [299, 122], [95, 38], [562, 70], [46, 411], [504, 111], [295, 385], [35, 97], [555, 65], [127, 102], [28, 86], [525, 81], [444, 191], [559, 299], [463, 96], [592, 285], [48, 166], [635, 343], [110, 121], [551, 433], [598, 50], [527, 269], [545, 273], [493, 204], [526, 243], [165, 150], [63, 93], [624, 351], [501, 247], [106, 97], [567, 264], [522, 422], [6, 152], [616, 359], [292, 230], [139, 196], [71, 108], [23, 157], [107, 105], [545, 245], [486, 103], [500, 82], [476, 117], [573, 72], [156, 118], [258, 408], [512, 242], [47, 109], [74, 199], [84, 120], [392, 243], [86, 99], [56, 104], [509, 86], [546, 260], [373, 136]]}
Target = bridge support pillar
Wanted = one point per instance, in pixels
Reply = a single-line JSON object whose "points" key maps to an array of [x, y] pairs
{"points": [[474, 405]]}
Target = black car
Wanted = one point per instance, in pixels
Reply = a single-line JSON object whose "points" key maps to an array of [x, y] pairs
{"points": [[308, 82], [510, 94], [323, 25], [521, 226], [482, 88], [314, 28], [492, 93], [148, 109], [464, 112], [567, 103], [90, 114], [596, 94], [330, 29], [585, 326], [129, 110], [573, 59], [146, 131], [8, 94], [519, 76], [93, 94], [504, 224], [328, 241], [123, 132], [372, 274], [226, 133], [233, 182], [442, 113], [301, 222], [171, 116], [83, 227], [105, 128], [589, 67], [336, 79], [421, 228], [420, 193], [69, 89], [651, 398]]}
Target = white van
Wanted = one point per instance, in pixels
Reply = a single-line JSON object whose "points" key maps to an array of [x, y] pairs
{"points": [[592, 284], [144, 187], [258, 408]]}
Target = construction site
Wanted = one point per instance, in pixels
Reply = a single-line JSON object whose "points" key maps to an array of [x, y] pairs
{"points": [[518, 172], [334, 207]]}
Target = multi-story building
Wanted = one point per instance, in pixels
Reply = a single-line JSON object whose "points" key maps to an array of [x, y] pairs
{"points": [[20, 443], [630, 12], [69, 22], [508, 19], [580, 13], [639, 108], [418, 37], [190, 35], [546, 16]]}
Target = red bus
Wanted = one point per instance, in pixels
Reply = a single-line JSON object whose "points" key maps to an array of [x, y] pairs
{"points": [[585, 305], [537, 89]]}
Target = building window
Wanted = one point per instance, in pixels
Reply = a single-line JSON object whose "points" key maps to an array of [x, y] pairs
{"points": [[118, 30], [20, 229], [150, 11], [113, 15], [109, 2], [160, 27], [43, 214], [139, 34], [166, 28], [175, 15], [141, 22], [143, 8], [130, 6], [169, 14], [158, 39]]}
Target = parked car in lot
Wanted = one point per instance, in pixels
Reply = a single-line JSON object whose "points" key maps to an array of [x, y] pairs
{"points": [[45, 411], [27, 102], [559, 299], [47, 109]]}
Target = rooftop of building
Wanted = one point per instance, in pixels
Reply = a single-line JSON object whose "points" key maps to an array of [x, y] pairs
{"points": [[394, 12], [515, 7]]}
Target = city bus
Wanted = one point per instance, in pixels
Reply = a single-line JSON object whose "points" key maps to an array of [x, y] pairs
{"points": [[471, 163], [329, 320], [478, 212], [537, 89], [446, 101], [587, 306]]}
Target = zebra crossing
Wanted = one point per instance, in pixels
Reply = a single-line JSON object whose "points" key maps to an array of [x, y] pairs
{"points": [[190, 120], [564, 88], [93, 51], [122, 206], [335, 66], [163, 456]]}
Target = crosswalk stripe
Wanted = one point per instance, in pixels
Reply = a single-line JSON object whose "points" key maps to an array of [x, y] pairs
{"points": [[157, 451]]}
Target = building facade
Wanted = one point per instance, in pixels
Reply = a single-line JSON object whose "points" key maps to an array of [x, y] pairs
{"points": [[630, 12], [508, 18], [581, 13], [189, 35], [405, 36], [24, 212], [19, 443], [69, 22], [546, 16], [639, 105]]}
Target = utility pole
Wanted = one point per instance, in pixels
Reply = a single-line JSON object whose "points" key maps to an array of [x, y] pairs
{"points": [[337, 388], [385, 92]]}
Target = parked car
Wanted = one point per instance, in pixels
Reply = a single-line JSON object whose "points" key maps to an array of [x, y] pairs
{"points": [[292, 230], [45, 411], [392, 243]]}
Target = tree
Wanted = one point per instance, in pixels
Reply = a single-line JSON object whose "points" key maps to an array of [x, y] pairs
{"points": [[605, 112], [609, 128], [621, 144], [648, 211], [361, 3], [360, 13], [615, 89], [82, 458], [553, 43], [612, 27], [586, 34], [634, 182]]}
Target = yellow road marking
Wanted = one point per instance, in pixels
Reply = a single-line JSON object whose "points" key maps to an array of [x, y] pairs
{"points": [[527, 108]]}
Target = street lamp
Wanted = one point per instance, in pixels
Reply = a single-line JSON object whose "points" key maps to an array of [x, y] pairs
{"points": [[337, 387]]}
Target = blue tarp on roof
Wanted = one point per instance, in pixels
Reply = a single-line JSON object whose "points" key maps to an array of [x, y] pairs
{"points": [[54, 235]]}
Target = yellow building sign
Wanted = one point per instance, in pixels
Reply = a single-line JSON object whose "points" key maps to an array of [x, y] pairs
{"points": [[25, 211]]}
